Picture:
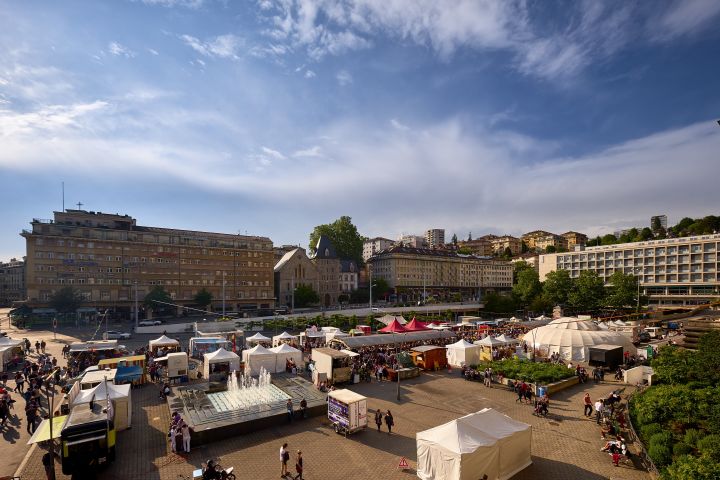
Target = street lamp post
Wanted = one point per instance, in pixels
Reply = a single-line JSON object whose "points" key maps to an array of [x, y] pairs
{"points": [[371, 285], [137, 311], [223, 295], [397, 359], [51, 404]]}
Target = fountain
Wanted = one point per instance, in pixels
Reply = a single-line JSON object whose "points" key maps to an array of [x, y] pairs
{"points": [[249, 395]]}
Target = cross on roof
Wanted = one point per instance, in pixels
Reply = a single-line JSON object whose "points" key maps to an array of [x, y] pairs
{"points": [[79, 204]]}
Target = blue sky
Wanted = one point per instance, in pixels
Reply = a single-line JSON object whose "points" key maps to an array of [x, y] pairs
{"points": [[274, 116]]}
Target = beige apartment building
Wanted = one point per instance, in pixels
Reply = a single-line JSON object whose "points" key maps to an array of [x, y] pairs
{"points": [[435, 237], [12, 282], [574, 239], [675, 271], [500, 244], [540, 240], [480, 246], [410, 270], [375, 245], [108, 258]]}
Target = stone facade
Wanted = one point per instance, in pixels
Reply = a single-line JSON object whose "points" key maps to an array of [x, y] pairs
{"points": [[12, 282]]}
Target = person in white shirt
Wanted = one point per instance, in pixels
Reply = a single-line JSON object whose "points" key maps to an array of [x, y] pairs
{"points": [[173, 435], [284, 457], [186, 437], [598, 411]]}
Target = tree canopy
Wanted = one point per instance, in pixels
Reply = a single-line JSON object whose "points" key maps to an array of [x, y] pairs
{"points": [[557, 287], [622, 291], [344, 236], [527, 286], [305, 296], [155, 296], [66, 300], [203, 298], [588, 291]]}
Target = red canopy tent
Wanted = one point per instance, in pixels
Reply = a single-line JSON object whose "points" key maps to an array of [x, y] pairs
{"points": [[415, 326], [394, 327]]}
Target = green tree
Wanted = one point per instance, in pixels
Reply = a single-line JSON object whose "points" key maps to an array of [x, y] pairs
{"points": [[645, 234], [465, 251], [588, 291], [557, 287], [507, 253], [469, 237], [655, 225], [519, 267], [155, 296], [608, 239], [496, 303], [305, 296], [527, 286], [550, 249], [454, 239], [344, 236], [673, 365], [622, 291], [707, 357], [687, 467], [380, 287], [540, 305], [523, 247], [66, 300], [203, 298]]}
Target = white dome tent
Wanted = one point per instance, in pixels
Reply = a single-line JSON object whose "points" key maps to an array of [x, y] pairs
{"points": [[258, 338], [462, 353], [284, 337], [259, 357], [571, 338]]}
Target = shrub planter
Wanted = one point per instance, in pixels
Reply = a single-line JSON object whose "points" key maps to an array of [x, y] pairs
{"points": [[551, 388]]}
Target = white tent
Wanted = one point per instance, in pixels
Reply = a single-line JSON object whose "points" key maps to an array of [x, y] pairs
{"points": [[219, 357], [603, 326], [120, 397], [571, 338], [257, 338], [163, 341], [10, 342], [490, 342], [514, 319], [285, 352], [387, 319], [258, 357], [463, 352], [542, 317], [336, 334], [284, 337], [482, 443], [507, 340], [619, 323]]}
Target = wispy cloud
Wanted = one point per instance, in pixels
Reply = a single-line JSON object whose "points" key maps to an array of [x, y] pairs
{"points": [[312, 152], [273, 153], [119, 50], [309, 74], [684, 18], [223, 46], [399, 126], [344, 78], [153, 51], [174, 3]]}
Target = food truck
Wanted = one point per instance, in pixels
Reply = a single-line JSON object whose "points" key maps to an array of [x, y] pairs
{"points": [[333, 365], [88, 438], [347, 411]]}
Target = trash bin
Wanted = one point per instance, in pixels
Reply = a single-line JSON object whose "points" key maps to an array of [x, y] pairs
{"points": [[356, 378]]}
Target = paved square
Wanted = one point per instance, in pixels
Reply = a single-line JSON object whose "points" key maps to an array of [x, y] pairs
{"points": [[565, 446]]}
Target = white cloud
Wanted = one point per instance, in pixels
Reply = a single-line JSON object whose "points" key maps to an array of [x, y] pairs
{"points": [[36, 84], [153, 51], [344, 78], [223, 46], [312, 152], [119, 50], [309, 74], [175, 3], [399, 126], [47, 119], [684, 17], [273, 153]]}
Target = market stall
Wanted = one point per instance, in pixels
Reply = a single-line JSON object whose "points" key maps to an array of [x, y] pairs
{"points": [[331, 365], [219, 364], [258, 339], [284, 337], [199, 346], [119, 395], [164, 343], [484, 444], [286, 357], [129, 369], [259, 357], [11, 353], [312, 337], [429, 357], [462, 353]]}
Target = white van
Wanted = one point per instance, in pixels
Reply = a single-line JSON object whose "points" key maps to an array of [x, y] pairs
{"points": [[655, 332]]}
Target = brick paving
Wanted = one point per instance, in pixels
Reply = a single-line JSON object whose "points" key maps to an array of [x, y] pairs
{"points": [[565, 446]]}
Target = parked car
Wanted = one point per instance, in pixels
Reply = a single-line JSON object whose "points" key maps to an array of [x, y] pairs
{"points": [[115, 335], [149, 323], [643, 337]]}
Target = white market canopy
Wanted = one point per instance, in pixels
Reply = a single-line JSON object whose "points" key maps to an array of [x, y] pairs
{"points": [[120, 396], [10, 342], [220, 356], [285, 352], [572, 337], [259, 357], [387, 319], [507, 340], [257, 338], [619, 323], [164, 341], [490, 342], [486, 442], [283, 337], [463, 352]]}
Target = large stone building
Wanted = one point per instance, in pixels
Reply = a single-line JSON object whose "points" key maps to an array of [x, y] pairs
{"points": [[12, 282], [328, 265], [435, 237], [409, 271], [294, 269], [574, 239], [374, 246], [540, 240], [349, 276], [413, 241], [676, 271], [108, 257], [480, 246], [500, 244]]}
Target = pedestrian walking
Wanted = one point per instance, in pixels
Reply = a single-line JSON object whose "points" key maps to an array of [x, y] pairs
{"points": [[389, 421], [299, 466], [186, 437], [19, 383], [588, 405], [303, 408], [37, 347], [31, 416], [284, 457], [598, 411], [378, 419], [173, 438], [289, 407], [48, 461], [42, 346]]}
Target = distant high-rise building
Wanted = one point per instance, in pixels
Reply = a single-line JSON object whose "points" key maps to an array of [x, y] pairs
{"points": [[661, 219], [415, 241], [373, 246], [435, 237]]}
